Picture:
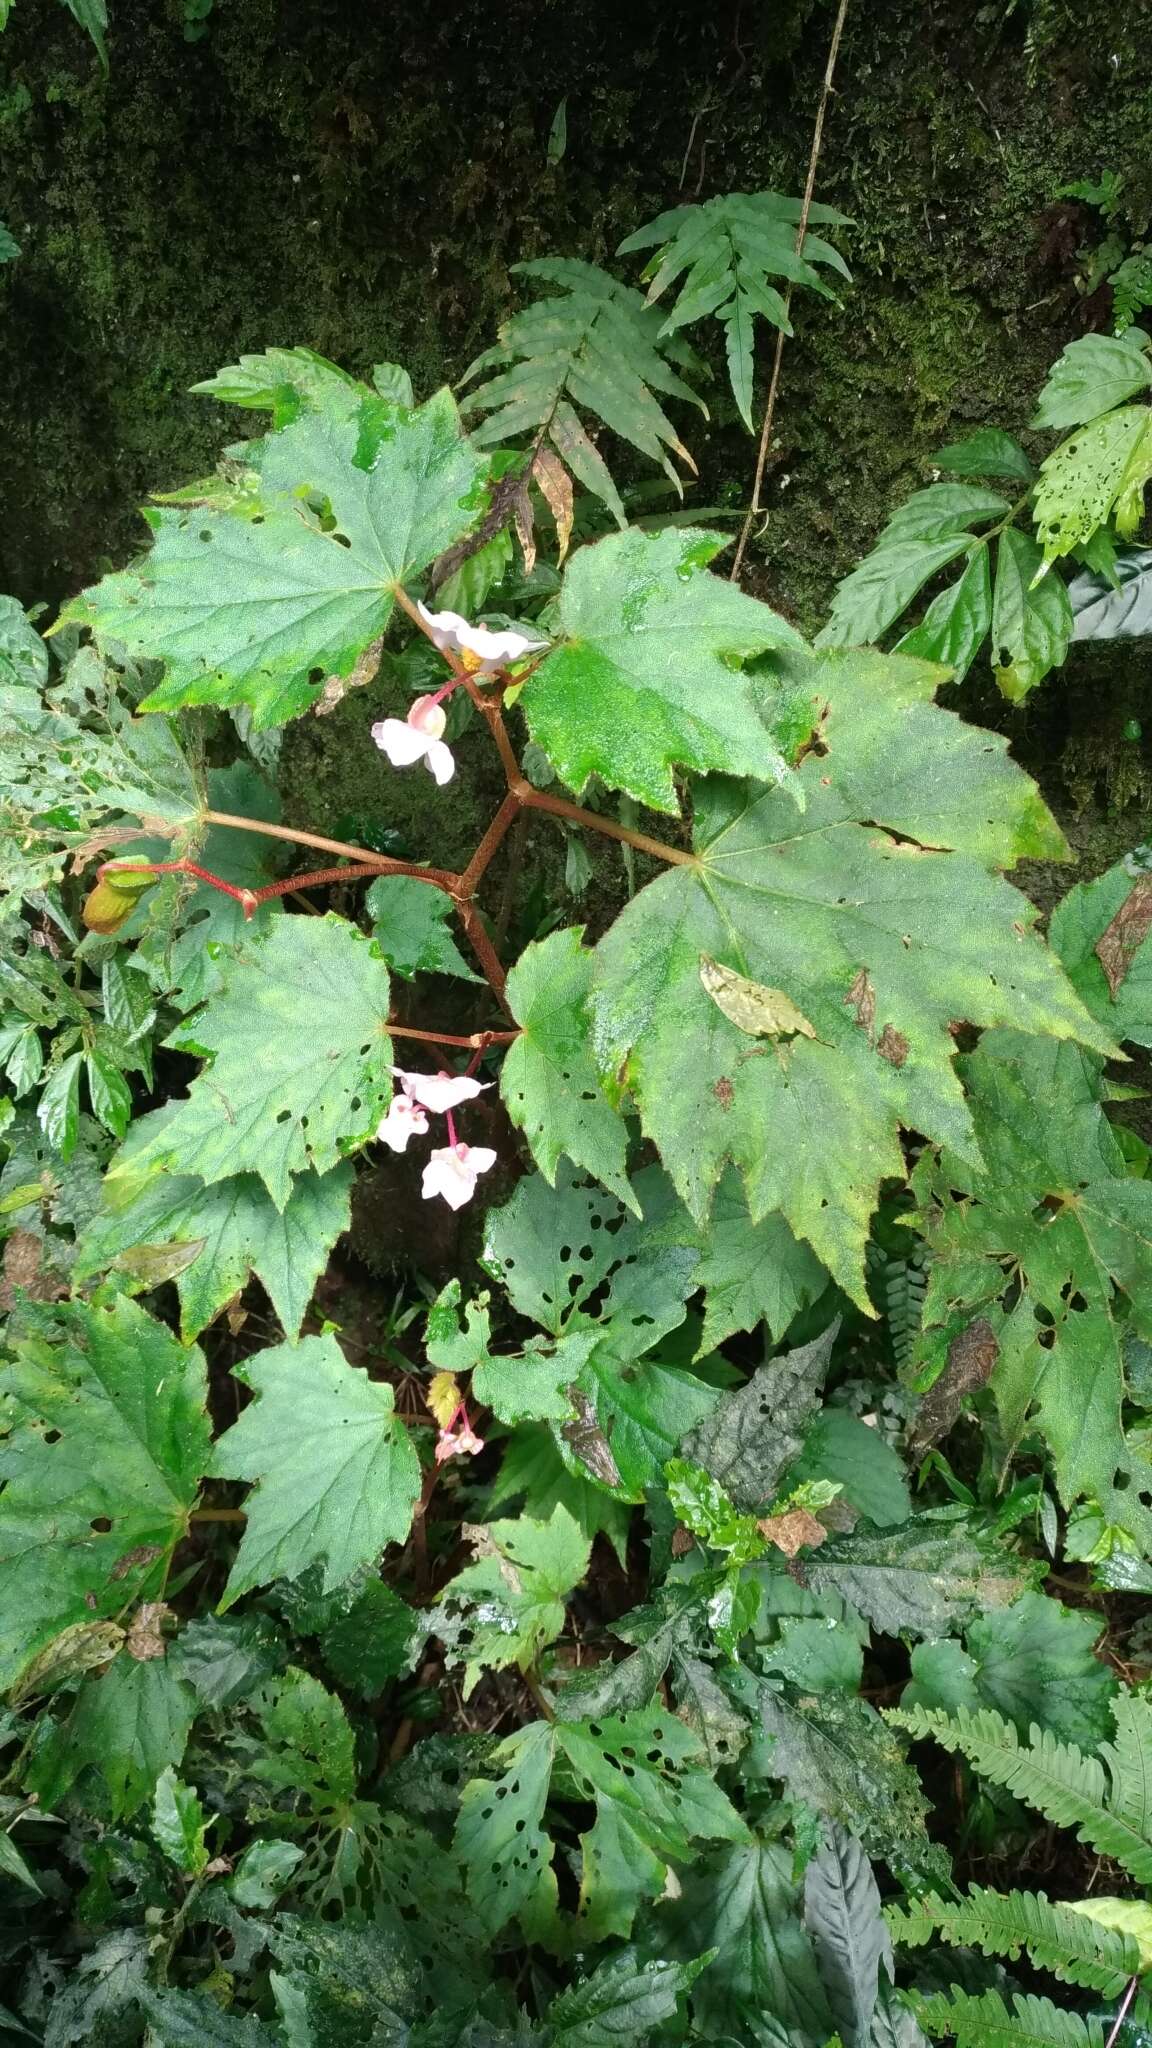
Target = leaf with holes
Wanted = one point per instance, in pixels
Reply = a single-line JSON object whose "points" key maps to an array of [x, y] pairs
{"points": [[209, 1239], [749, 1272], [935, 1572], [812, 901], [1098, 473], [298, 1055], [548, 1081], [105, 1442], [752, 1435], [646, 675], [1031, 619], [507, 1606], [336, 1478], [259, 603], [1046, 1240]]}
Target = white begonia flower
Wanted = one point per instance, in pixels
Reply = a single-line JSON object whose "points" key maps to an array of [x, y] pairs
{"points": [[417, 738], [480, 651], [452, 1170], [440, 1092], [405, 1119]]}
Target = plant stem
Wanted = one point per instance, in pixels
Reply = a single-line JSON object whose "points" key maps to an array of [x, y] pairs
{"points": [[801, 231], [218, 1515], [507, 815], [485, 953], [539, 800], [479, 1040], [362, 855], [1118, 2022]]}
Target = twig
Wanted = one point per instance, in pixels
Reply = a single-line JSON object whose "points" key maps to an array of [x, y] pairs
{"points": [[801, 231], [478, 1041], [1118, 2022], [539, 800]]}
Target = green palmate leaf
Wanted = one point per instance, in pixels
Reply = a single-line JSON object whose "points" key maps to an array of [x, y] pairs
{"points": [[289, 381], [743, 1901], [548, 1081], [835, 1753], [935, 1572], [646, 676], [842, 1914], [106, 1440], [1116, 606], [300, 1066], [410, 925], [1101, 470], [533, 1386], [179, 1823], [1106, 1799], [509, 1604], [596, 347], [209, 1239], [534, 1474], [1007, 1924], [1090, 377], [185, 2019], [721, 255], [652, 1800], [749, 1272], [987, 452], [1052, 1234], [1032, 1663], [751, 1436], [621, 2001], [124, 1729], [336, 1476], [983, 2020], [257, 605], [954, 627], [882, 945], [1114, 914], [1031, 621]]}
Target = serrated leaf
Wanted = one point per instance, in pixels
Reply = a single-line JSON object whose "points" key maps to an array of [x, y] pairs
{"points": [[1102, 469], [509, 1604], [1006, 1923], [752, 1435], [743, 1902], [87, 1517], [336, 1478], [873, 595], [1091, 376], [839, 1446], [228, 1231], [749, 1272], [58, 1111], [289, 381], [987, 452], [645, 676], [100, 1997], [533, 1386], [1033, 1663], [257, 606], [842, 1915], [410, 923], [186, 2019], [124, 1726], [373, 1641], [548, 1080], [955, 624], [1031, 621], [300, 1066], [263, 1872], [179, 1823], [499, 1837], [807, 901], [533, 1472], [621, 2001], [940, 510], [983, 2020], [934, 1573], [108, 1092]]}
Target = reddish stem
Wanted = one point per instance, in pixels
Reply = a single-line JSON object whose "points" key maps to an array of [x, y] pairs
{"points": [[451, 1123], [507, 814], [539, 800], [481, 1040]]}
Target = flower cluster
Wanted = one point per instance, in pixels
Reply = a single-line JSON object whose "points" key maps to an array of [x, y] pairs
{"points": [[473, 651], [452, 1169]]}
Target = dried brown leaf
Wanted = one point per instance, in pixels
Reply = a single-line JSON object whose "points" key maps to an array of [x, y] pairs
{"points": [[792, 1531], [144, 1640], [556, 488], [971, 1361], [1119, 943]]}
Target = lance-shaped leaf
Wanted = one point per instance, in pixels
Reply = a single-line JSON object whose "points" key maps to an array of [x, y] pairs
{"points": [[259, 603], [646, 674], [209, 1239], [1053, 1234], [548, 1081], [336, 1476], [751, 1436], [1031, 621], [934, 1573], [622, 2001], [299, 1073], [883, 945], [743, 1901], [105, 1443], [843, 1916]]}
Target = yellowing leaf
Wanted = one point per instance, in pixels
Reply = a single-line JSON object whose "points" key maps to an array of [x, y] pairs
{"points": [[442, 1397], [761, 1012], [1127, 1916]]}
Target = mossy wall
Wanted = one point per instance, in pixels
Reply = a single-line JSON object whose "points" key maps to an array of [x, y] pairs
{"points": [[358, 177]]}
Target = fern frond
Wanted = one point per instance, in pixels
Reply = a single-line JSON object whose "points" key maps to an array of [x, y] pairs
{"points": [[724, 252], [905, 1283], [595, 347], [1074, 1949], [984, 2021], [1107, 1802]]}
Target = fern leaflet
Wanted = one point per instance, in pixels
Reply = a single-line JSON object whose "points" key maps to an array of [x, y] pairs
{"points": [[984, 2021], [1075, 1950]]}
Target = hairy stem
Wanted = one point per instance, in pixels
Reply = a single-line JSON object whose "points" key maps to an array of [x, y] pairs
{"points": [[362, 855], [485, 953], [539, 800], [801, 231]]}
